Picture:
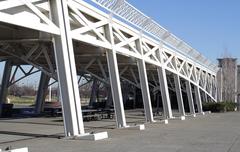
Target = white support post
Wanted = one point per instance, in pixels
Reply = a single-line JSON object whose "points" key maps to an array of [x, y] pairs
{"points": [[115, 80], [179, 94], [66, 70], [41, 93], [198, 99], [164, 93], [5, 83], [144, 85], [190, 97]]}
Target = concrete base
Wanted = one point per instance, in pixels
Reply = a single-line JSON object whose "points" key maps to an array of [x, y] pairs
{"points": [[136, 127], [94, 136], [200, 114], [25, 149], [182, 118], [165, 121], [191, 115], [207, 112]]}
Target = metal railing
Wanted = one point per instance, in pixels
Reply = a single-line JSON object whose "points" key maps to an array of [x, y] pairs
{"points": [[129, 13]]}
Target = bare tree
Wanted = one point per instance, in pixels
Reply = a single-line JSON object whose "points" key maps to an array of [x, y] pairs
{"points": [[24, 90]]}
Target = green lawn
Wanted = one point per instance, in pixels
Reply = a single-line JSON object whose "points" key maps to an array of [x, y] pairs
{"points": [[22, 100], [30, 100]]}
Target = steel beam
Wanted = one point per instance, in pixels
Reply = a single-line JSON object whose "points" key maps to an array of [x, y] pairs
{"points": [[115, 80], [179, 94], [198, 98], [144, 85], [190, 97], [5, 81], [164, 92], [41, 93], [66, 70]]}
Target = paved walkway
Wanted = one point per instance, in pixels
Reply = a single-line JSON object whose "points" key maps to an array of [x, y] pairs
{"points": [[209, 133]]}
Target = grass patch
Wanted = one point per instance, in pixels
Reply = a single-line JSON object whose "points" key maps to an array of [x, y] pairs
{"points": [[22, 100]]}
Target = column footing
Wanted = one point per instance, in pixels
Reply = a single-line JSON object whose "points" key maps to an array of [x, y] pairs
{"points": [[207, 112], [201, 113], [177, 118], [165, 121], [91, 136], [135, 127], [25, 149], [191, 115], [182, 118]]}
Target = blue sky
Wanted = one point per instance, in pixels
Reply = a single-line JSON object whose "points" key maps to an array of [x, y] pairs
{"points": [[210, 26]]}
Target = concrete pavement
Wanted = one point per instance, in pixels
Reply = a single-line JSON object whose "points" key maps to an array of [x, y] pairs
{"points": [[208, 133]]}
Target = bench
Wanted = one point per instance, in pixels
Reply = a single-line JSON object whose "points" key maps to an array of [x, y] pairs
{"points": [[92, 117]]}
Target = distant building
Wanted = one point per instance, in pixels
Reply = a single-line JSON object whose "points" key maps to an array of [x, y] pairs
{"points": [[228, 79], [238, 83]]}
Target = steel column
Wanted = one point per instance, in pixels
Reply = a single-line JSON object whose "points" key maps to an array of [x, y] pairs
{"points": [[164, 92], [144, 85], [198, 99], [179, 94], [94, 92], [109, 101], [205, 97], [5, 82], [190, 97], [41, 93], [66, 70], [115, 80]]}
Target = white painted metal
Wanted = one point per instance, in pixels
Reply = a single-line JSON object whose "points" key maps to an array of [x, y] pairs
{"points": [[198, 99], [67, 20], [179, 95], [144, 85], [126, 11], [115, 80], [164, 93], [190, 97], [64, 55]]}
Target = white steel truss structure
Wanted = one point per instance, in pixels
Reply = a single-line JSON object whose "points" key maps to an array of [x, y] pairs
{"points": [[66, 38]]}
